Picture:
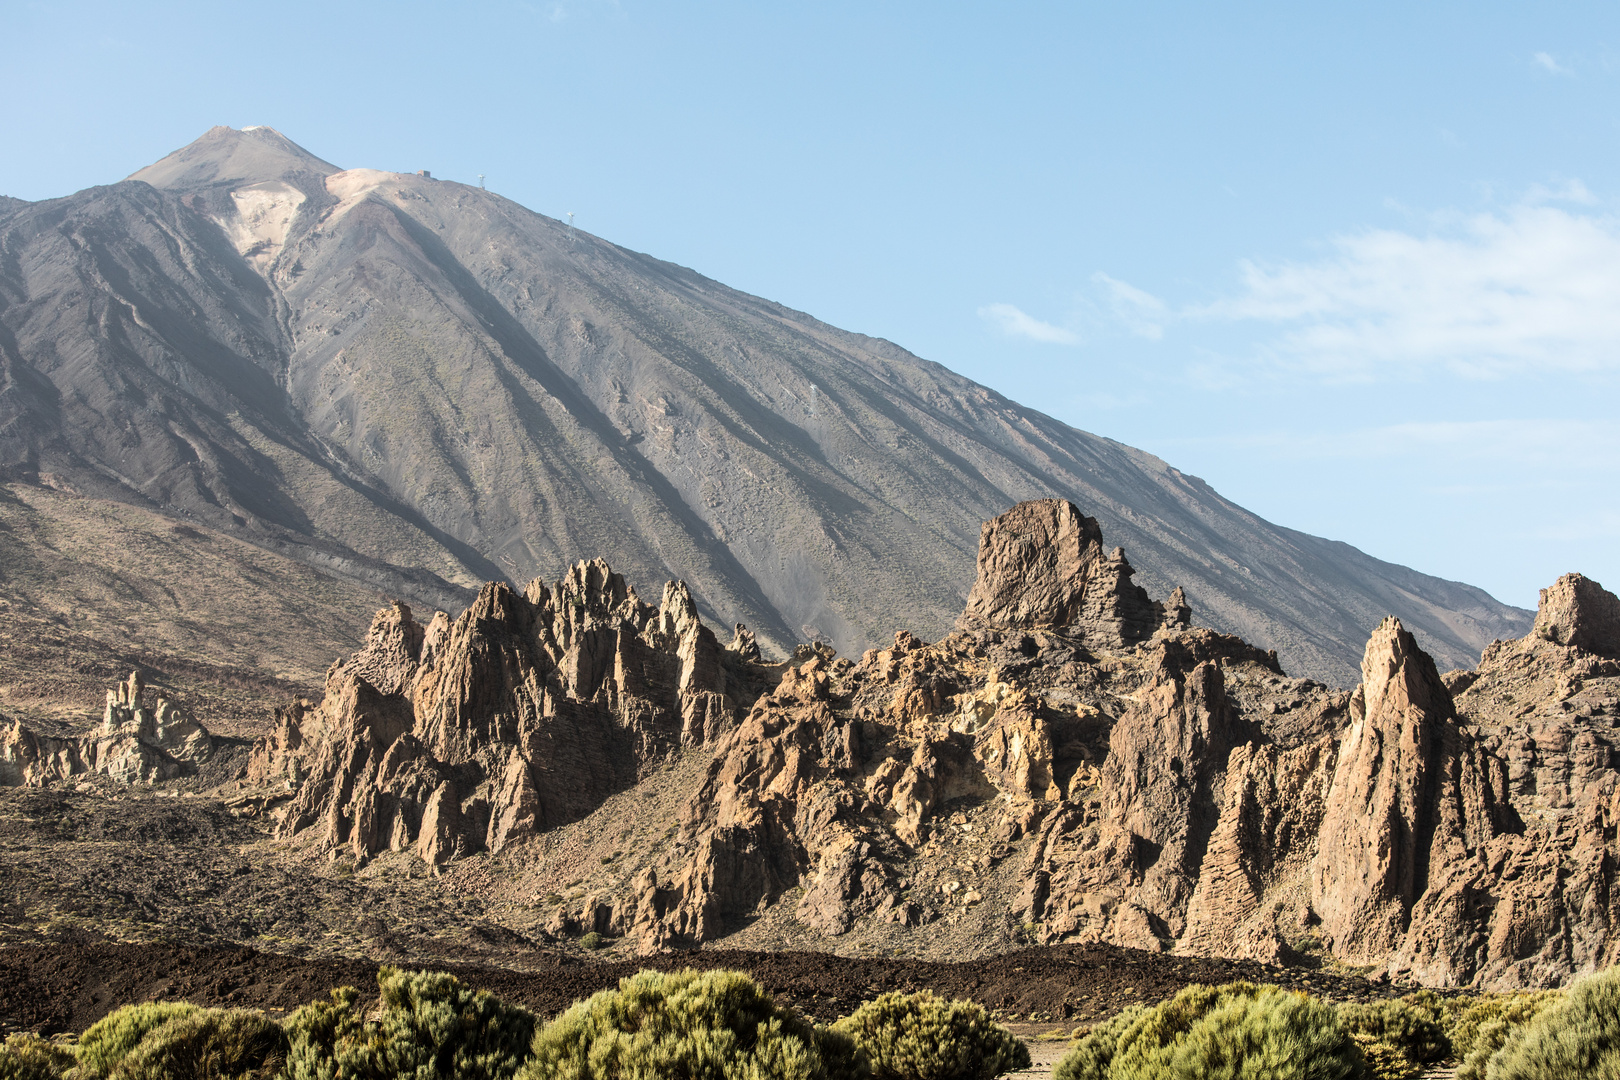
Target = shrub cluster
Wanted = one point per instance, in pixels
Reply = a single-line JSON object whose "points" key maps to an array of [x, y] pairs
{"points": [[720, 1025], [924, 1037], [1479, 1031], [431, 1026], [1219, 1033], [1573, 1034], [28, 1057]]}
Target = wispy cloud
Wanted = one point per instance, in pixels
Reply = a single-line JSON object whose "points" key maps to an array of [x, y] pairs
{"points": [[1534, 288], [1547, 63], [1015, 323], [1142, 313]]}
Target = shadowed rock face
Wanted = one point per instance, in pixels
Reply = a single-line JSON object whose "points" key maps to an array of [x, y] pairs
{"points": [[418, 386], [524, 713]]}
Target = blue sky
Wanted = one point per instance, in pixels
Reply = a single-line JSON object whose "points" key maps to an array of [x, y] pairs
{"points": [[1357, 266]]}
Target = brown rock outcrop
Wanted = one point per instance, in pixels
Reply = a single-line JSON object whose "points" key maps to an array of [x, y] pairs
{"points": [[1407, 794], [1578, 612], [1041, 565], [136, 743]]}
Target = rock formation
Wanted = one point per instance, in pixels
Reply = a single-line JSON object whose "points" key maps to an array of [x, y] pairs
{"points": [[523, 713], [1075, 763], [1041, 565], [135, 744], [1580, 613]]}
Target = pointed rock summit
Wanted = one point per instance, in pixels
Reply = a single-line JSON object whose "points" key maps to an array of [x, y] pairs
{"points": [[1376, 846]]}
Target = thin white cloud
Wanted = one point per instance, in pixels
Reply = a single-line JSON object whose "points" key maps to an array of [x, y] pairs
{"points": [[1142, 313], [1535, 288], [1546, 62], [1015, 323]]}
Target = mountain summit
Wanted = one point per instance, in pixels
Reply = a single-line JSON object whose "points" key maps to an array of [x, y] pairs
{"points": [[420, 385]]}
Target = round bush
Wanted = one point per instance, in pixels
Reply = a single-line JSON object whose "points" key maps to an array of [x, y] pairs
{"points": [[715, 1025], [1092, 1055], [106, 1042], [923, 1037], [1220, 1033], [207, 1044], [28, 1057], [1578, 1036]]}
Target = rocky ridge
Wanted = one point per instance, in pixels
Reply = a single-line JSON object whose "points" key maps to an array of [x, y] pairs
{"points": [[1076, 763]]}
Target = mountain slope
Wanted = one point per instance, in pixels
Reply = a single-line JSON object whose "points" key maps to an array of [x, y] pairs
{"points": [[417, 385]]}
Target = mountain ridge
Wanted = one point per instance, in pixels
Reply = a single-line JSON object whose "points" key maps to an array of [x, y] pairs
{"points": [[423, 385]]}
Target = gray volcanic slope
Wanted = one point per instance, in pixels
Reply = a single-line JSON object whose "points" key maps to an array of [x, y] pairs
{"points": [[420, 385]]}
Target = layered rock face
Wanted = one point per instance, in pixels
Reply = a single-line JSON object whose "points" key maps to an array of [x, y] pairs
{"points": [[523, 713], [136, 743], [1075, 763]]}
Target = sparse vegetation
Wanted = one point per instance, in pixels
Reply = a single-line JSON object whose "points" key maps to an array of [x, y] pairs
{"points": [[1479, 1030], [1398, 1038], [432, 1025], [924, 1037], [715, 1025]]}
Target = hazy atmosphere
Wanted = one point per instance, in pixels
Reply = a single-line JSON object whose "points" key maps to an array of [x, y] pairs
{"points": [[1357, 270]]}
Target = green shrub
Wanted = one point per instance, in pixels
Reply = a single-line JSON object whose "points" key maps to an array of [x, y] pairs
{"points": [[841, 1058], [1399, 1037], [1577, 1036], [1091, 1056], [317, 1031], [105, 1043], [207, 1044], [432, 1027], [1479, 1030], [28, 1057], [923, 1037], [715, 1025], [592, 940], [1220, 1033]]}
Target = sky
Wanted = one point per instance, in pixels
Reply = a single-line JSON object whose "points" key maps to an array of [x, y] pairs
{"points": [[1356, 266]]}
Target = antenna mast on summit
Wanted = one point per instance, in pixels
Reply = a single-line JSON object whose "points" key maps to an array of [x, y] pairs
{"points": [[570, 228], [480, 181]]}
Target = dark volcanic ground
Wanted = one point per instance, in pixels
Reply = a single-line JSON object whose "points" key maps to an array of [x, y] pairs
{"points": [[66, 987]]}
